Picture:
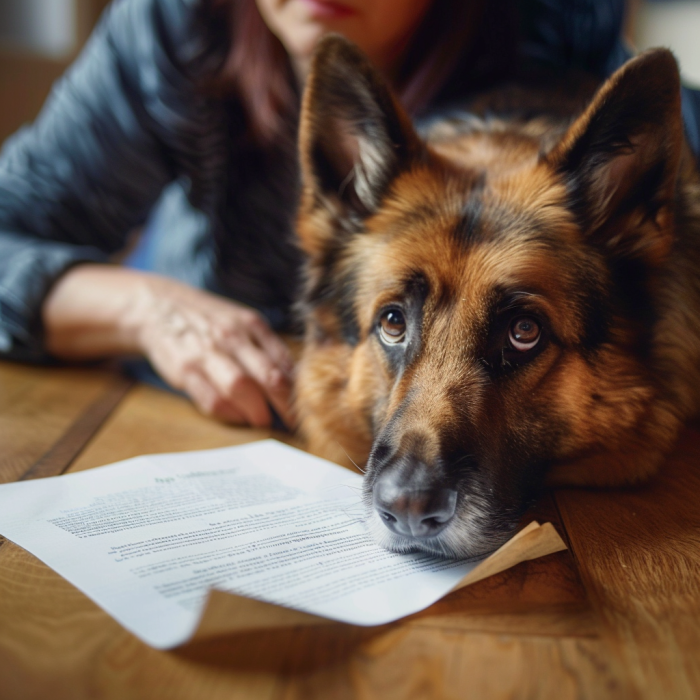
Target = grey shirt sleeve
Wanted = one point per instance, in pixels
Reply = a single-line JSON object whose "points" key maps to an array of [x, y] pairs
{"points": [[112, 134]]}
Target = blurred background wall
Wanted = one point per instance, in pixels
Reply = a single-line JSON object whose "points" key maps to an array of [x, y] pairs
{"points": [[39, 38], [672, 23]]}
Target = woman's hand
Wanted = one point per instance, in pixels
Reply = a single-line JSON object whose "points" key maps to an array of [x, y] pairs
{"points": [[222, 354]]}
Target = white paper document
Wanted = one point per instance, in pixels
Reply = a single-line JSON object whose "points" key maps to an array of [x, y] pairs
{"points": [[149, 537]]}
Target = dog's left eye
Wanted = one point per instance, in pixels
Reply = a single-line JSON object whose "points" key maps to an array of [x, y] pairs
{"points": [[392, 326], [524, 333]]}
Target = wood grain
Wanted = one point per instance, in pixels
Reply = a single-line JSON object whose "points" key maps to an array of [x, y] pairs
{"points": [[149, 420], [55, 643], [38, 408], [59, 457], [618, 619], [418, 664], [638, 552]]}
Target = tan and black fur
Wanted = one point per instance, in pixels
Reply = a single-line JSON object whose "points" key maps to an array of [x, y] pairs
{"points": [[587, 226]]}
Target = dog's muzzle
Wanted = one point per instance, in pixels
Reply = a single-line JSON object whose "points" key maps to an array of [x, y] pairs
{"points": [[411, 502]]}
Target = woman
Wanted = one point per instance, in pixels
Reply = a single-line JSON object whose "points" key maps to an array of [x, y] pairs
{"points": [[192, 104]]}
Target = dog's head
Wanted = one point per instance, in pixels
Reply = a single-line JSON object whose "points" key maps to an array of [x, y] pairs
{"points": [[479, 305]]}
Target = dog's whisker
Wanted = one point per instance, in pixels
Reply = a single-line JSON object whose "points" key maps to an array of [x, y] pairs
{"points": [[356, 465]]}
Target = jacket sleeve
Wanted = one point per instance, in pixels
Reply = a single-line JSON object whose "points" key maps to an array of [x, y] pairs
{"points": [[580, 34], [112, 134]]}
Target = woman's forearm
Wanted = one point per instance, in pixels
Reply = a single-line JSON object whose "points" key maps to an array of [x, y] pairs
{"points": [[222, 354], [95, 311]]}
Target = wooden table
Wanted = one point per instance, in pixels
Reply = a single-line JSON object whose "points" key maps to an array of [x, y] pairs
{"points": [[618, 616]]}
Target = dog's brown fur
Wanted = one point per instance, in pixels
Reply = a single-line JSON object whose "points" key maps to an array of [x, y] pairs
{"points": [[591, 225]]}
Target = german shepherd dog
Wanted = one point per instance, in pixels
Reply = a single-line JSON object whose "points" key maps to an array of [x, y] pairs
{"points": [[497, 304]]}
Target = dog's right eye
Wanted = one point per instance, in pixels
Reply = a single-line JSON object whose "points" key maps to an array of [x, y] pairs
{"points": [[524, 333], [392, 326]]}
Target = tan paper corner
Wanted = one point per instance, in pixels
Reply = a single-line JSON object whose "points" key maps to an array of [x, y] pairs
{"points": [[532, 542]]}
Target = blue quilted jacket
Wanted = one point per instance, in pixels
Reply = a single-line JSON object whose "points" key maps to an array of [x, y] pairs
{"points": [[128, 138]]}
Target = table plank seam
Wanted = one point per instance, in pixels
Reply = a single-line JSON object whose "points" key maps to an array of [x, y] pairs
{"points": [[64, 451]]}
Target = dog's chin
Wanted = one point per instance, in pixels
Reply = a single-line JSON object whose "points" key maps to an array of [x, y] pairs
{"points": [[459, 540]]}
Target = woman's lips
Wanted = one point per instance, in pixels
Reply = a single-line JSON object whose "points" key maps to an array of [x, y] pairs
{"points": [[323, 9]]}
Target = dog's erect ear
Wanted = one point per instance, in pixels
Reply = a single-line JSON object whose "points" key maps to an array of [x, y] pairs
{"points": [[354, 137], [621, 158]]}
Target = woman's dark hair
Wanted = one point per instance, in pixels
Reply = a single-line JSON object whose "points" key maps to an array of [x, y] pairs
{"points": [[258, 68]]}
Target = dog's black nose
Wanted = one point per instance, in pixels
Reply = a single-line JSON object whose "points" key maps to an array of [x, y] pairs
{"points": [[411, 504]]}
